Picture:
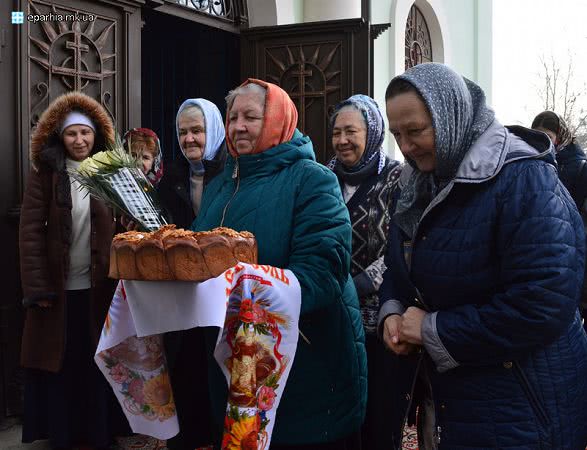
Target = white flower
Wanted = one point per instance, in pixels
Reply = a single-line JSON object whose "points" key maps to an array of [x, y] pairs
{"points": [[88, 167], [103, 159]]}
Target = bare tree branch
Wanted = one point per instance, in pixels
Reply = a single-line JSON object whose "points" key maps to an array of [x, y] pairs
{"points": [[562, 93]]}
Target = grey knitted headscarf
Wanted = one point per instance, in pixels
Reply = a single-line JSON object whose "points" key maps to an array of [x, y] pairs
{"points": [[374, 152], [459, 116]]}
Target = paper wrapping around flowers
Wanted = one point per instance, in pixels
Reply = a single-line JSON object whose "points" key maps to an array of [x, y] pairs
{"points": [[257, 309], [136, 196], [113, 176]]}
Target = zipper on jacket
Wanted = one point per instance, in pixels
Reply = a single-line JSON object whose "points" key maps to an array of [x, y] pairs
{"points": [[535, 403], [235, 175], [408, 250]]}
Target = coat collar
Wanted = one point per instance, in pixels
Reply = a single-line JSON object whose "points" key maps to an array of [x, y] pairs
{"points": [[272, 160], [496, 147], [178, 173]]}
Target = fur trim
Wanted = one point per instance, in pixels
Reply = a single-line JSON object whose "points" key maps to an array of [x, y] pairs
{"points": [[52, 117]]}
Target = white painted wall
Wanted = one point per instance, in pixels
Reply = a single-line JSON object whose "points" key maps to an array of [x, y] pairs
{"points": [[262, 13], [290, 11], [265, 13], [319, 10], [484, 50]]}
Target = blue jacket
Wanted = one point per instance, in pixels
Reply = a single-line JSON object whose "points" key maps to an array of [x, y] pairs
{"points": [[294, 207], [572, 168], [497, 261]]}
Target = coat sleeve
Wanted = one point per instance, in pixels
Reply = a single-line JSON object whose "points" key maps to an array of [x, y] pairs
{"points": [[540, 253], [388, 303], [34, 270], [369, 280], [320, 252]]}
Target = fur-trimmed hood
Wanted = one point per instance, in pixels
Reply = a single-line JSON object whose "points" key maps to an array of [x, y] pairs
{"points": [[46, 132]]}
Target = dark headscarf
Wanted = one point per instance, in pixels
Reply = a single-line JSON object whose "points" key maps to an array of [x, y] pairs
{"points": [[549, 120], [459, 116], [372, 161]]}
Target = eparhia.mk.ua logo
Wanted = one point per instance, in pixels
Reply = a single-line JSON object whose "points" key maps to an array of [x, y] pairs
{"points": [[17, 17]]}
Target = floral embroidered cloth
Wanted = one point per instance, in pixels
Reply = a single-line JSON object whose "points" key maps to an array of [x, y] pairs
{"points": [[257, 309]]}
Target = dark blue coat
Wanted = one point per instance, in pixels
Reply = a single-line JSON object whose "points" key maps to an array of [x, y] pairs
{"points": [[498, 261], [572, 168]]}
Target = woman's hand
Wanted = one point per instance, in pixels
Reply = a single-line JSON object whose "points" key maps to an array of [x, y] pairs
{"points": [[411, 325], [392, 336]]}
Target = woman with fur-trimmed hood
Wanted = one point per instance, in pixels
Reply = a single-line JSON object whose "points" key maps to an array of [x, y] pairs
{"points": [[65, 240]]}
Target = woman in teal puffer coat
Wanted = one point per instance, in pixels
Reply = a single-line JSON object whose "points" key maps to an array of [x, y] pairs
{"points": [[273, 187]]}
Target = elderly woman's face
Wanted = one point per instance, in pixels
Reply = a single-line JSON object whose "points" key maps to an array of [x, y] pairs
{"points": [[349, 136], [192, 135], [78, 141], [411, 126], [245, 122]]}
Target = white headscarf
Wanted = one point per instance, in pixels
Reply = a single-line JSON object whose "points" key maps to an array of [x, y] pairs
{"points": [[76, 118], [212, 121]]}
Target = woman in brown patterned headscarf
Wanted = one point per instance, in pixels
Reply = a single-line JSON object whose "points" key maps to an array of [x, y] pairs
{"points": [[572, 167], [555, 127], [570, 157]]}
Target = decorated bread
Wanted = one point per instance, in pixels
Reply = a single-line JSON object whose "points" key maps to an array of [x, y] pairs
{"points": [[122, 255], [177, 254], [150, 256]]}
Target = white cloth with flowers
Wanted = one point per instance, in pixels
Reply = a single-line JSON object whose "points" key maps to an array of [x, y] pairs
{"points": [[257, 310]]}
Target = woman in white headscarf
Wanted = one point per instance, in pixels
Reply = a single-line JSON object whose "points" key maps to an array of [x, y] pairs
{"points": [[200, 132]]}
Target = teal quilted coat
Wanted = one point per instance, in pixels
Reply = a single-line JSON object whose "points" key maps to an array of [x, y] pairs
{"points": [[294, 207]]}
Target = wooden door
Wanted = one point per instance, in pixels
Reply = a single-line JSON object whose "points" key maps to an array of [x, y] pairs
{"points": [[318, 64]]}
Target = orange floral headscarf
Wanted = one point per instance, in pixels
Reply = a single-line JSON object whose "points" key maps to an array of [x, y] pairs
{"points": [[279, 119]]}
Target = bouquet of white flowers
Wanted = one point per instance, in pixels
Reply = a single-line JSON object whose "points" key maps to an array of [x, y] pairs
{"points": [[113, 176]]}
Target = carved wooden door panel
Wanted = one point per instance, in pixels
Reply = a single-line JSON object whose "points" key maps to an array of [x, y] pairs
{"points": [[68, 55], [318, 64]]}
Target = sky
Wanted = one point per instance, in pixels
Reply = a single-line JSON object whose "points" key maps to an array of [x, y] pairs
{"points": [[523, 32]]}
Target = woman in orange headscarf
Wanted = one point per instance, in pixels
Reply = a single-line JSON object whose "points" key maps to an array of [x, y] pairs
{"points": [[273, 187]]}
